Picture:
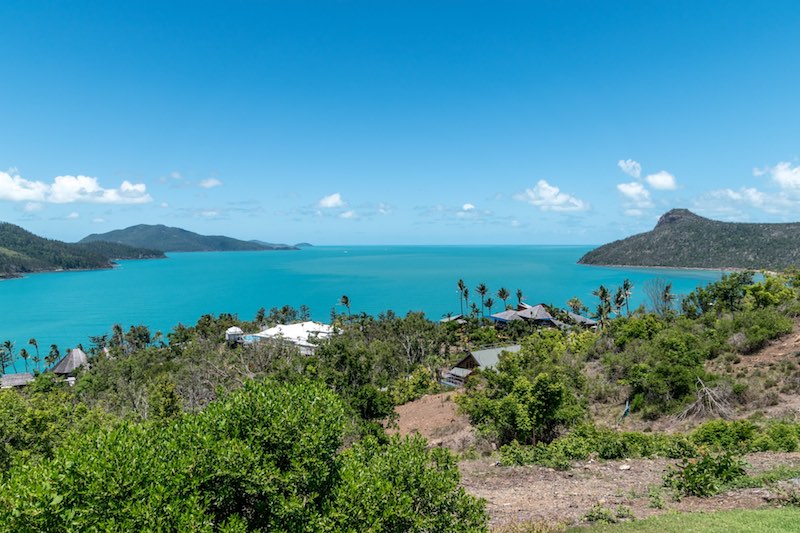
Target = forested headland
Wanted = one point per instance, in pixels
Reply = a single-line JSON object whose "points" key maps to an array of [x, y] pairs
{"points": [[682, 239], [22, 252]]}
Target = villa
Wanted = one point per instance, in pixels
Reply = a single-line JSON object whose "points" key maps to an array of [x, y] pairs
{"points": [[476, 359], [304, 335]]}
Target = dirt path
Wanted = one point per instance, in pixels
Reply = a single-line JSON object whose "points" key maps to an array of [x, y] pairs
{"points": [[543, 495]]}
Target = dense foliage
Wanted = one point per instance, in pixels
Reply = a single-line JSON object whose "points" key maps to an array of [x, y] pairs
{"points": [[265, 457], [22, 252], [683, 239]]}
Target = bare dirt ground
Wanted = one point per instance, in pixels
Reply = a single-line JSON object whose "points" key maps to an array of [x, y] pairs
{"points": [[542, 495], [536, 494]]}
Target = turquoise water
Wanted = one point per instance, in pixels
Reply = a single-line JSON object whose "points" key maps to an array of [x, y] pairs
{"points": [[66, 308]]}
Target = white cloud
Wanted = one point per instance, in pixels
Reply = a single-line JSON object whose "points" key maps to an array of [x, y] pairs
{"points": [[210, 183], [163, 205], [70, 189], [785, 175], [175, 175], [209, 213], [99, 220], [348, 214], [331, 201], [749, 196], [73, 215], [17, 189], [634, 212], [550, 198], [630, 167], [467, 207], [663, 181], [32, 207], [636, 193], [384, 209]]}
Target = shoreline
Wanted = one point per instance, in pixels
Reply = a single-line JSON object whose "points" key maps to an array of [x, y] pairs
{"points": [[703, 269]]}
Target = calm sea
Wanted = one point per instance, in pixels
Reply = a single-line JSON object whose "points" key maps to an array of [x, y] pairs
{"points": [[66, 308]]}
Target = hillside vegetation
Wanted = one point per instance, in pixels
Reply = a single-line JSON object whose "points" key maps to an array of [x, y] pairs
{"points": [[684, 239], [169, 239], [22, 252], [185, 431]]}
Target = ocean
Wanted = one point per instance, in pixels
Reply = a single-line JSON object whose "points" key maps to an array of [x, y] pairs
{"points": [[65, 308]]}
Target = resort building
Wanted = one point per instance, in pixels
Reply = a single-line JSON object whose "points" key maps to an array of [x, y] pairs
{"points": [[70, 363], [476, 359], [304, 335], [20, 379], [540, 316]]}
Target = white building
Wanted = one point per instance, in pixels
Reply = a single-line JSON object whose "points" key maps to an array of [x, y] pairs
{"points": [[304, 335]]}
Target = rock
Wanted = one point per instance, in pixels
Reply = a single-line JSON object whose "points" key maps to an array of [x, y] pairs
{"points": [[625, 467]]}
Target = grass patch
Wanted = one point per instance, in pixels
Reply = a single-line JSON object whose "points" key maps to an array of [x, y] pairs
{"points": [[779, 520]]}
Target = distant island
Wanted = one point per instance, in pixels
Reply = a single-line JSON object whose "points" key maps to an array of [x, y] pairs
{"points": [[22, 252], [170, 239], [682, 239]]}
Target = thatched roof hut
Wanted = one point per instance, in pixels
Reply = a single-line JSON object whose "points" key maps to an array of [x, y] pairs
{"points": [[20, 379], [71, 362]]}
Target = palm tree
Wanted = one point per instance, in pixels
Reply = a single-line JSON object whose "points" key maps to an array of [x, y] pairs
{"points": [[36, 358], [482, 290], [627, 288], [666, 298], [53, 356], [503, 294], [520, 296], [604, 309], [466, 296], [489, 304], [576, 305], [345, 301], [6, 355], [24, 354], [461, 287], [619, 300]]}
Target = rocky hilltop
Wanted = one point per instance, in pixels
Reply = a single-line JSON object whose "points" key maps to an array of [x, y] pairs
{"points": [[682, 239]]}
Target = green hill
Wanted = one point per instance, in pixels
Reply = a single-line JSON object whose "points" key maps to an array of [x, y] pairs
{"points": [[169, 239], [22, 252], [683, 239]]}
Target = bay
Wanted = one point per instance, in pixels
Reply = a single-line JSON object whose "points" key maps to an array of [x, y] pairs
{"points": [[65, 308]]}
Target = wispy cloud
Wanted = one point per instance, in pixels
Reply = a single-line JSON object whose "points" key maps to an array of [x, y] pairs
{"points": [[348, 215], [550, 198], [630, 167], [210, 183], [331, 201], [70, 189]]}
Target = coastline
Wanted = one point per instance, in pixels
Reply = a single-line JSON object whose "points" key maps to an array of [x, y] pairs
{"points": [[702, 269]]}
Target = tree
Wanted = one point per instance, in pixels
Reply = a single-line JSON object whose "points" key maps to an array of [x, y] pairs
{"points": [[619, 300], [53, 356], [23, 353], [6, 355], [503, 294], [466, 296], [659, 292], [36, 359], [482, 290], [520, 296], [576, 305], [627, 289], [489, 304], [345, 301], [461, 287]]}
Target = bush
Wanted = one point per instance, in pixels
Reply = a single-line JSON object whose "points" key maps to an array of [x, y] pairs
{"points": [[705, 476]]}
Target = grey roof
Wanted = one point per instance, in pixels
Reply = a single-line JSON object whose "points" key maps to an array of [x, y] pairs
{"points": [[460, 372], [582, 319], [71, 362], [536, 312], [506, 316], [15, 380], [489, 357]]}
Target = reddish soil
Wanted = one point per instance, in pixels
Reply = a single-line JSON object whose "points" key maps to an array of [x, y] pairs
{"points": [[435, 417]]}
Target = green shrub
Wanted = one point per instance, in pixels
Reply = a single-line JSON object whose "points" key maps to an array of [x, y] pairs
{"points": [[705, 476]]}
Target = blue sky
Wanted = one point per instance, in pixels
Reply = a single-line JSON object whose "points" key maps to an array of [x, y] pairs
{"points": [[565, 122]]}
